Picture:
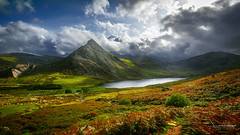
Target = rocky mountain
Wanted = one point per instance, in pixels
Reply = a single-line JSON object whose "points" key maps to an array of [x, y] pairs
{"points": [[90, 59]]}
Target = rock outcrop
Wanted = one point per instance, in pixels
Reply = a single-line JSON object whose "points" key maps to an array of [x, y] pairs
{"points": [[20, 68]]}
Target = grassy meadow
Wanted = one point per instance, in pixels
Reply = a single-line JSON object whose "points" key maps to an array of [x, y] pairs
{"points": [[89, 109]]}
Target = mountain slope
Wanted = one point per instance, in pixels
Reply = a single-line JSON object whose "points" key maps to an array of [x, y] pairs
{"points": [[207, 63], [96, 55], [12, 61], [143, 61], [90, 59], [20, 58]]}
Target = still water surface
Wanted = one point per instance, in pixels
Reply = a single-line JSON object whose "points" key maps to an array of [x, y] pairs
{"points": [[139, 83]]}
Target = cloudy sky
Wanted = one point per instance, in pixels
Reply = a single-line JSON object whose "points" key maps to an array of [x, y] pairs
{"points": [[163, 29]]}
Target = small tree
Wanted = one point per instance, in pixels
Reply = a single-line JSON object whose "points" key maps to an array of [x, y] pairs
{"points": [[79, 91], [85, 90], [124, 101], [178, 100], [68, 91]]}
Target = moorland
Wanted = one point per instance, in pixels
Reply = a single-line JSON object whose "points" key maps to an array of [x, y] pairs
{"points": [[56, 95]]}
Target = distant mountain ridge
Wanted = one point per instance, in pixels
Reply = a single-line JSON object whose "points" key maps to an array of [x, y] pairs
{"points": [[211, 62], [92, 60], [10, 61], [30, 58]]}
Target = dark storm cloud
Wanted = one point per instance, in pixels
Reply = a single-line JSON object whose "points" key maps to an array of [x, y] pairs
{"points": [[221, 3], [209, 28], [22, 37], [194, 32]]}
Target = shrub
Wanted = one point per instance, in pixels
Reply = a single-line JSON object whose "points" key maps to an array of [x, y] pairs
{"points": [[178, 100], [124, 101], [90, 115], [68, 91], [85, 90], [79, 91]]}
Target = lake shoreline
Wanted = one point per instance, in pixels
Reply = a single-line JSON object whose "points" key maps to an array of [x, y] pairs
{"points": [[139, 83]]}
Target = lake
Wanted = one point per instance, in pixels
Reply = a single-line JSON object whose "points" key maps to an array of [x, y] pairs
{"points": [[139, 83]]}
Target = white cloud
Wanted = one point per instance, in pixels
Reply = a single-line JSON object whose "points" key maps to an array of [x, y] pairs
{"points": [[117, 29], [97, 7], [197, 3], [21, 5], [148, 10], [142, 11], [150, 32], [70, 38], [23, 37]]}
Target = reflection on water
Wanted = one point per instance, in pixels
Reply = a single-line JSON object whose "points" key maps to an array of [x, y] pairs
{"points": [[139, 83]]}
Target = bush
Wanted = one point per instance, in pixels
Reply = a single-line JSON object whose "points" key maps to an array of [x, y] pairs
{"points": [[85, 90], [124, 101], [178, 100], [68, 91], [79, 91]]}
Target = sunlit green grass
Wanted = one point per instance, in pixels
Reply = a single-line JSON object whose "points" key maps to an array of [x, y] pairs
{"points": [[25, 92], [71, 80], [128, 62], [118, 66], [67, 81], [13, 109], [10, 59]]}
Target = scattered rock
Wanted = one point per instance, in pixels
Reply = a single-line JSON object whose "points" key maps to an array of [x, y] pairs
{"points": [[33, 99], [86, 130], [6, 128]]}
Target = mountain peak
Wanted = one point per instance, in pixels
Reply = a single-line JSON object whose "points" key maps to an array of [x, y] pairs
{"points": [[93, 45], [91, 41]]}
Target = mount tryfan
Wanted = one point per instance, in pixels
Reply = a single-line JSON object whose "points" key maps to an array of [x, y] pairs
{"points": [[90, 59]]}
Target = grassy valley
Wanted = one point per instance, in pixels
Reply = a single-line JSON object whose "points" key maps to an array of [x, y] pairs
{"points": [[214, 108]]}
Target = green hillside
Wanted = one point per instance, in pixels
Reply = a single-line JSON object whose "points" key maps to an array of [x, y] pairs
{"points": [[206, 64], [10, 60], [24, 58]]}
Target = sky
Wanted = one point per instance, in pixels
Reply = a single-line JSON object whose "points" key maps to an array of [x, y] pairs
{"points": [[168, 30]]}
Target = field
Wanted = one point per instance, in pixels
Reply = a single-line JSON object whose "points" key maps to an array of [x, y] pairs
{"points": [[214, 108]]}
